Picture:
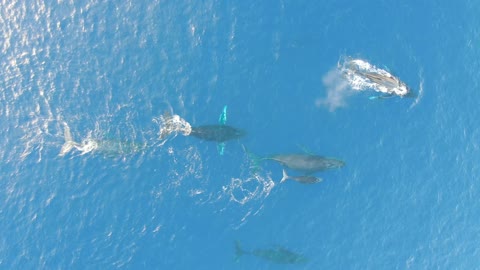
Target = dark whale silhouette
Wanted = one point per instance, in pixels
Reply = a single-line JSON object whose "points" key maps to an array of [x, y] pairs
{"points": [[307, 163], [217, 133]]}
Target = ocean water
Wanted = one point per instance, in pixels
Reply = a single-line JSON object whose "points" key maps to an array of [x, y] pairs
{"points": [[406, 199]]}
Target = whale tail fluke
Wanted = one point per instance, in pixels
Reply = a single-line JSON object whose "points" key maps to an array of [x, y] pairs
{"points": [[284, 176], [239, 251], [254, 159], [69, 143]]}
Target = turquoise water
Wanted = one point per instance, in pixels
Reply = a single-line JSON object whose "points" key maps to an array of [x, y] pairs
{"points": [[406, 199]]}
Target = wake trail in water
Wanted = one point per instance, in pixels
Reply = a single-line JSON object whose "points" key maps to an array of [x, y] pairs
{"points": [[420, 90]]}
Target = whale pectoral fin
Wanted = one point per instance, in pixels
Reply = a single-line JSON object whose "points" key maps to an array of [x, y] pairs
{"points": [[66, 147], [381, 96], [221, 148], [305, 149], [222, 120]]}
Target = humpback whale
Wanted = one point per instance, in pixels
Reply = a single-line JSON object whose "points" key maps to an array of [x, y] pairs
{"points": [[276, 254], [304, 179], [217, 133], [106, 147], [306, 163], [362, 75]]}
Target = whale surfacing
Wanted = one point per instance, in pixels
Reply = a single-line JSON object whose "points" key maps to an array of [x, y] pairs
{"points": [[362, 75]]}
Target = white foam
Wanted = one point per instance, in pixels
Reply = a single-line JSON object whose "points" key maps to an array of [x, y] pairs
{"points": [[172, 124]]}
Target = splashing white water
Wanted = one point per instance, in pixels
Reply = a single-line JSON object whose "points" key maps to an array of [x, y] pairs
{"points": [[254, 187], [172, 124]]}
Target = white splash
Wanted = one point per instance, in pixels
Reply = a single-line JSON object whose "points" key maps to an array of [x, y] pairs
{"points": [[253, 187], [172, 124]]}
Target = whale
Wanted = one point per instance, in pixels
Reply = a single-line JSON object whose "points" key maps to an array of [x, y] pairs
{"points": [[306, 163], [217, 133], [304, 179], [277, 254], [362, 75], [110, 148]]}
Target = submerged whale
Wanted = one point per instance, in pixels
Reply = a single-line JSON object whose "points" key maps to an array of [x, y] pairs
{"points": [[277, 254], [110, 148], [217, 133], [304, 179], [306, 163]]}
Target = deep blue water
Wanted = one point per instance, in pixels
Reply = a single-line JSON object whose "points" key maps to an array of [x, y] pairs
{"points": [[407, 198]]}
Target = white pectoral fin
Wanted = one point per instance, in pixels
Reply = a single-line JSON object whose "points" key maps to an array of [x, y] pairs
{"points": [[222, 120], [66, 147], [221, 148]]}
